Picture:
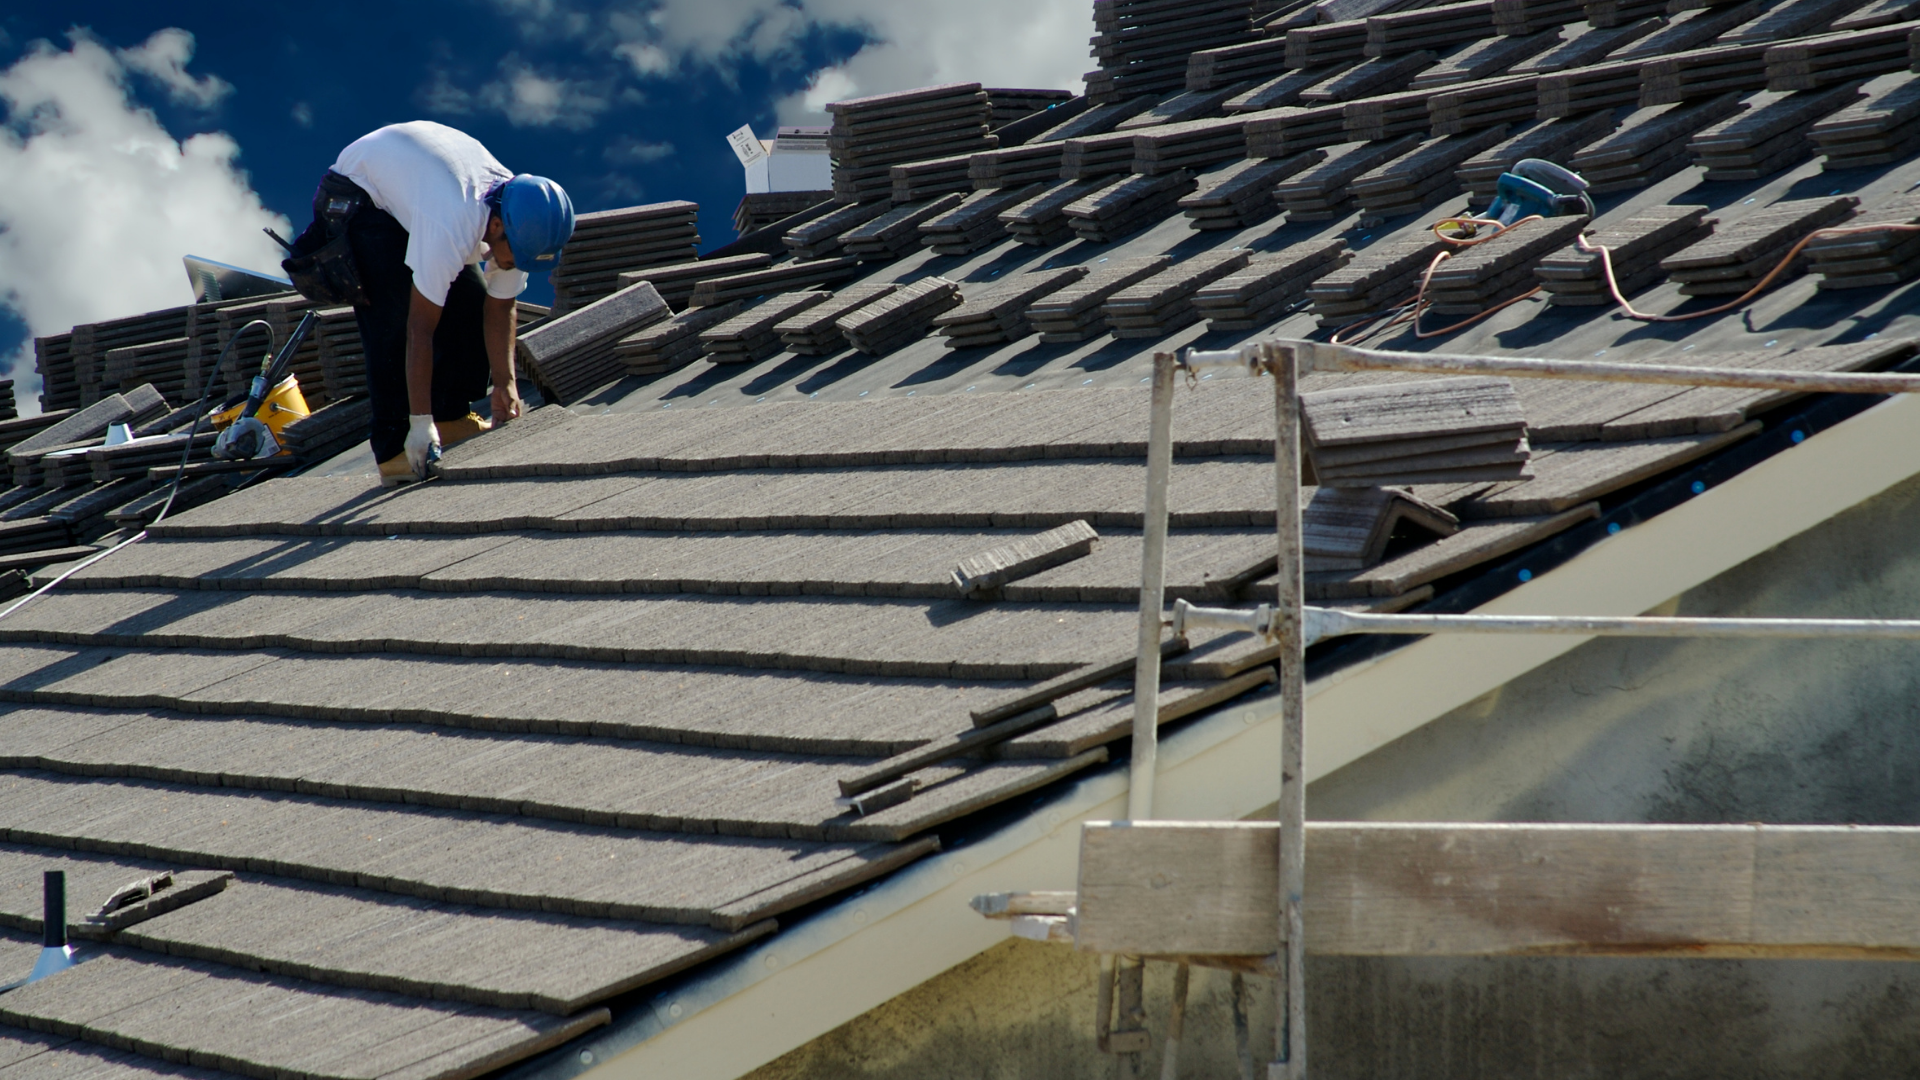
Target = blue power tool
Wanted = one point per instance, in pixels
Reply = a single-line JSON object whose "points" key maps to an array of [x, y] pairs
{"points": [[1535, 186]]}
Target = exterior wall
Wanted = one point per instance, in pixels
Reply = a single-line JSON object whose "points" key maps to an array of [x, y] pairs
{"points": [[1617, 730]]}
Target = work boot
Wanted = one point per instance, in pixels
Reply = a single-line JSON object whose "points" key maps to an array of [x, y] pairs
{"points": [[396, 471], [458, 431]]}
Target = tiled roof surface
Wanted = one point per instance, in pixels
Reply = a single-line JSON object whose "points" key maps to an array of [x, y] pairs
{"points": [[489, 755]]}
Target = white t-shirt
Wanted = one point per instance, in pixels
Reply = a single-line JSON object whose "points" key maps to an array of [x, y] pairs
{"points": [[434, 180]]}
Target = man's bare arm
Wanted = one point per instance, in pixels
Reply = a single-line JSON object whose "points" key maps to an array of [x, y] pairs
{"points": [[498, 323], [423, 317]]}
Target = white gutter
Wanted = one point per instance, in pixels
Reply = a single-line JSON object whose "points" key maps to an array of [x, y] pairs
{"points": [[883, 941]]}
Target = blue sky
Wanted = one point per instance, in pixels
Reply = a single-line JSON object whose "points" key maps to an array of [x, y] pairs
{"points": [[622, 102]]}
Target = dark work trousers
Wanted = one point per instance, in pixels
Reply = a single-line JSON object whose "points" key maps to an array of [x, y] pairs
{"points": [[460, 372]]}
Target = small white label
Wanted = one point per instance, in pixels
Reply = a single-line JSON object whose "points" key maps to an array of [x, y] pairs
{"points": [[746, 146]]}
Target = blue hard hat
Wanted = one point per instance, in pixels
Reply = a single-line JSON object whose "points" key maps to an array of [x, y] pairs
{"points": [[539, 219]]}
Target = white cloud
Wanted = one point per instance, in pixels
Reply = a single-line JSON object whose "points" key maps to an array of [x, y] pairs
{"points": [[163, 57], [646, 59], [302, 114], [627, 150], [98, 202], [442, 97], [529, 99], [1026, 43]]}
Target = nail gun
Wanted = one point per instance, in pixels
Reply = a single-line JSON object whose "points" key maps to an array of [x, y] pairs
{"points": [[249, 437]]}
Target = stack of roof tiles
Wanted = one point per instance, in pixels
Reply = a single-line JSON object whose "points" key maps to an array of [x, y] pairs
{"points": [[780, 277], [1384, 274], [1475, 105], [873, 134], [922, 180], [1256, 295], [1163, 303], [328, 431], [1702, 73], [1836, 58], [672, 343], [1872, 257], [1142, 45], [1233, 65], [91, 342], [1421, 178], [1191, 144], [901, 316], [1076, 312], [1487, 57], [1088, 156], [750, 336], [579, 351], [1041, 221], [1579, 90], [1279, 92], [757, 210], [606, 242], [1499, 268], [343, 358], [1635, 243], [283, 315], [1431, 431], [72, 365], [823, 235], [1651, 146], [1243, 195], [897, 231], [1372, 77], [813, 330], [1325, 191], [997, 312], [1767, 139], [1437, 27], [1279, 132], [1010, 104], [162, 363], [975, 223], [1387, 116], [1127, 207], [1882, 129], [676, 283], [1034, 162], [1736, 258]]}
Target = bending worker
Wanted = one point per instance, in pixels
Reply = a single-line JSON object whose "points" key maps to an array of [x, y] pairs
{"points": [[431, 240]]}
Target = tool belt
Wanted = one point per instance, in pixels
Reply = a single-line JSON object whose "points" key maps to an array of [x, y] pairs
{"points": [[321, 265]]}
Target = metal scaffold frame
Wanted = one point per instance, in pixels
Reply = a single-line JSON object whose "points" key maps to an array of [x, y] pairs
{"points": [[1291, 625]]}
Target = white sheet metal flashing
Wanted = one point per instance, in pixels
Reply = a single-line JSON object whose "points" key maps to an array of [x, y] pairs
{"points": [[883, 941]]}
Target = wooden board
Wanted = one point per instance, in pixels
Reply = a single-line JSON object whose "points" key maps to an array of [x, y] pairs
{"points": [[1387, 889]]}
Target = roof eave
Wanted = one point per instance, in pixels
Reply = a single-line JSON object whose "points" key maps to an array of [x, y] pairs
{"points": [[879, 943]]}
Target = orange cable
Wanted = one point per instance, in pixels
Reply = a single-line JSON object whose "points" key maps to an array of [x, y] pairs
{"points": [[1613, 284]]}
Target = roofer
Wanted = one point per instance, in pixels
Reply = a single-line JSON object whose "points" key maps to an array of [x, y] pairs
{"points": [[431, 240]]}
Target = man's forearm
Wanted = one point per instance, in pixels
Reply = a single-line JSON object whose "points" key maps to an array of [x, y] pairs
{"points": [[499, 324], [423, 318], [419, 370]]}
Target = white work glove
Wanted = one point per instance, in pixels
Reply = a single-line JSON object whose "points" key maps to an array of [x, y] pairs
{"points": [[423, 442]]}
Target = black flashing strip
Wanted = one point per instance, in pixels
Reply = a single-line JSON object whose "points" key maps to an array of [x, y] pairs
{"points": [[1782, 433]]}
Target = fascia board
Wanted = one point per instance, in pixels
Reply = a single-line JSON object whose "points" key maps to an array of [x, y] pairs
{"points": [[891, 937]]}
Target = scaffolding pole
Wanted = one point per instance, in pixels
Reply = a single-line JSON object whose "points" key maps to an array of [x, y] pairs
{"points": [[1288, 626], [1153, 576]]}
